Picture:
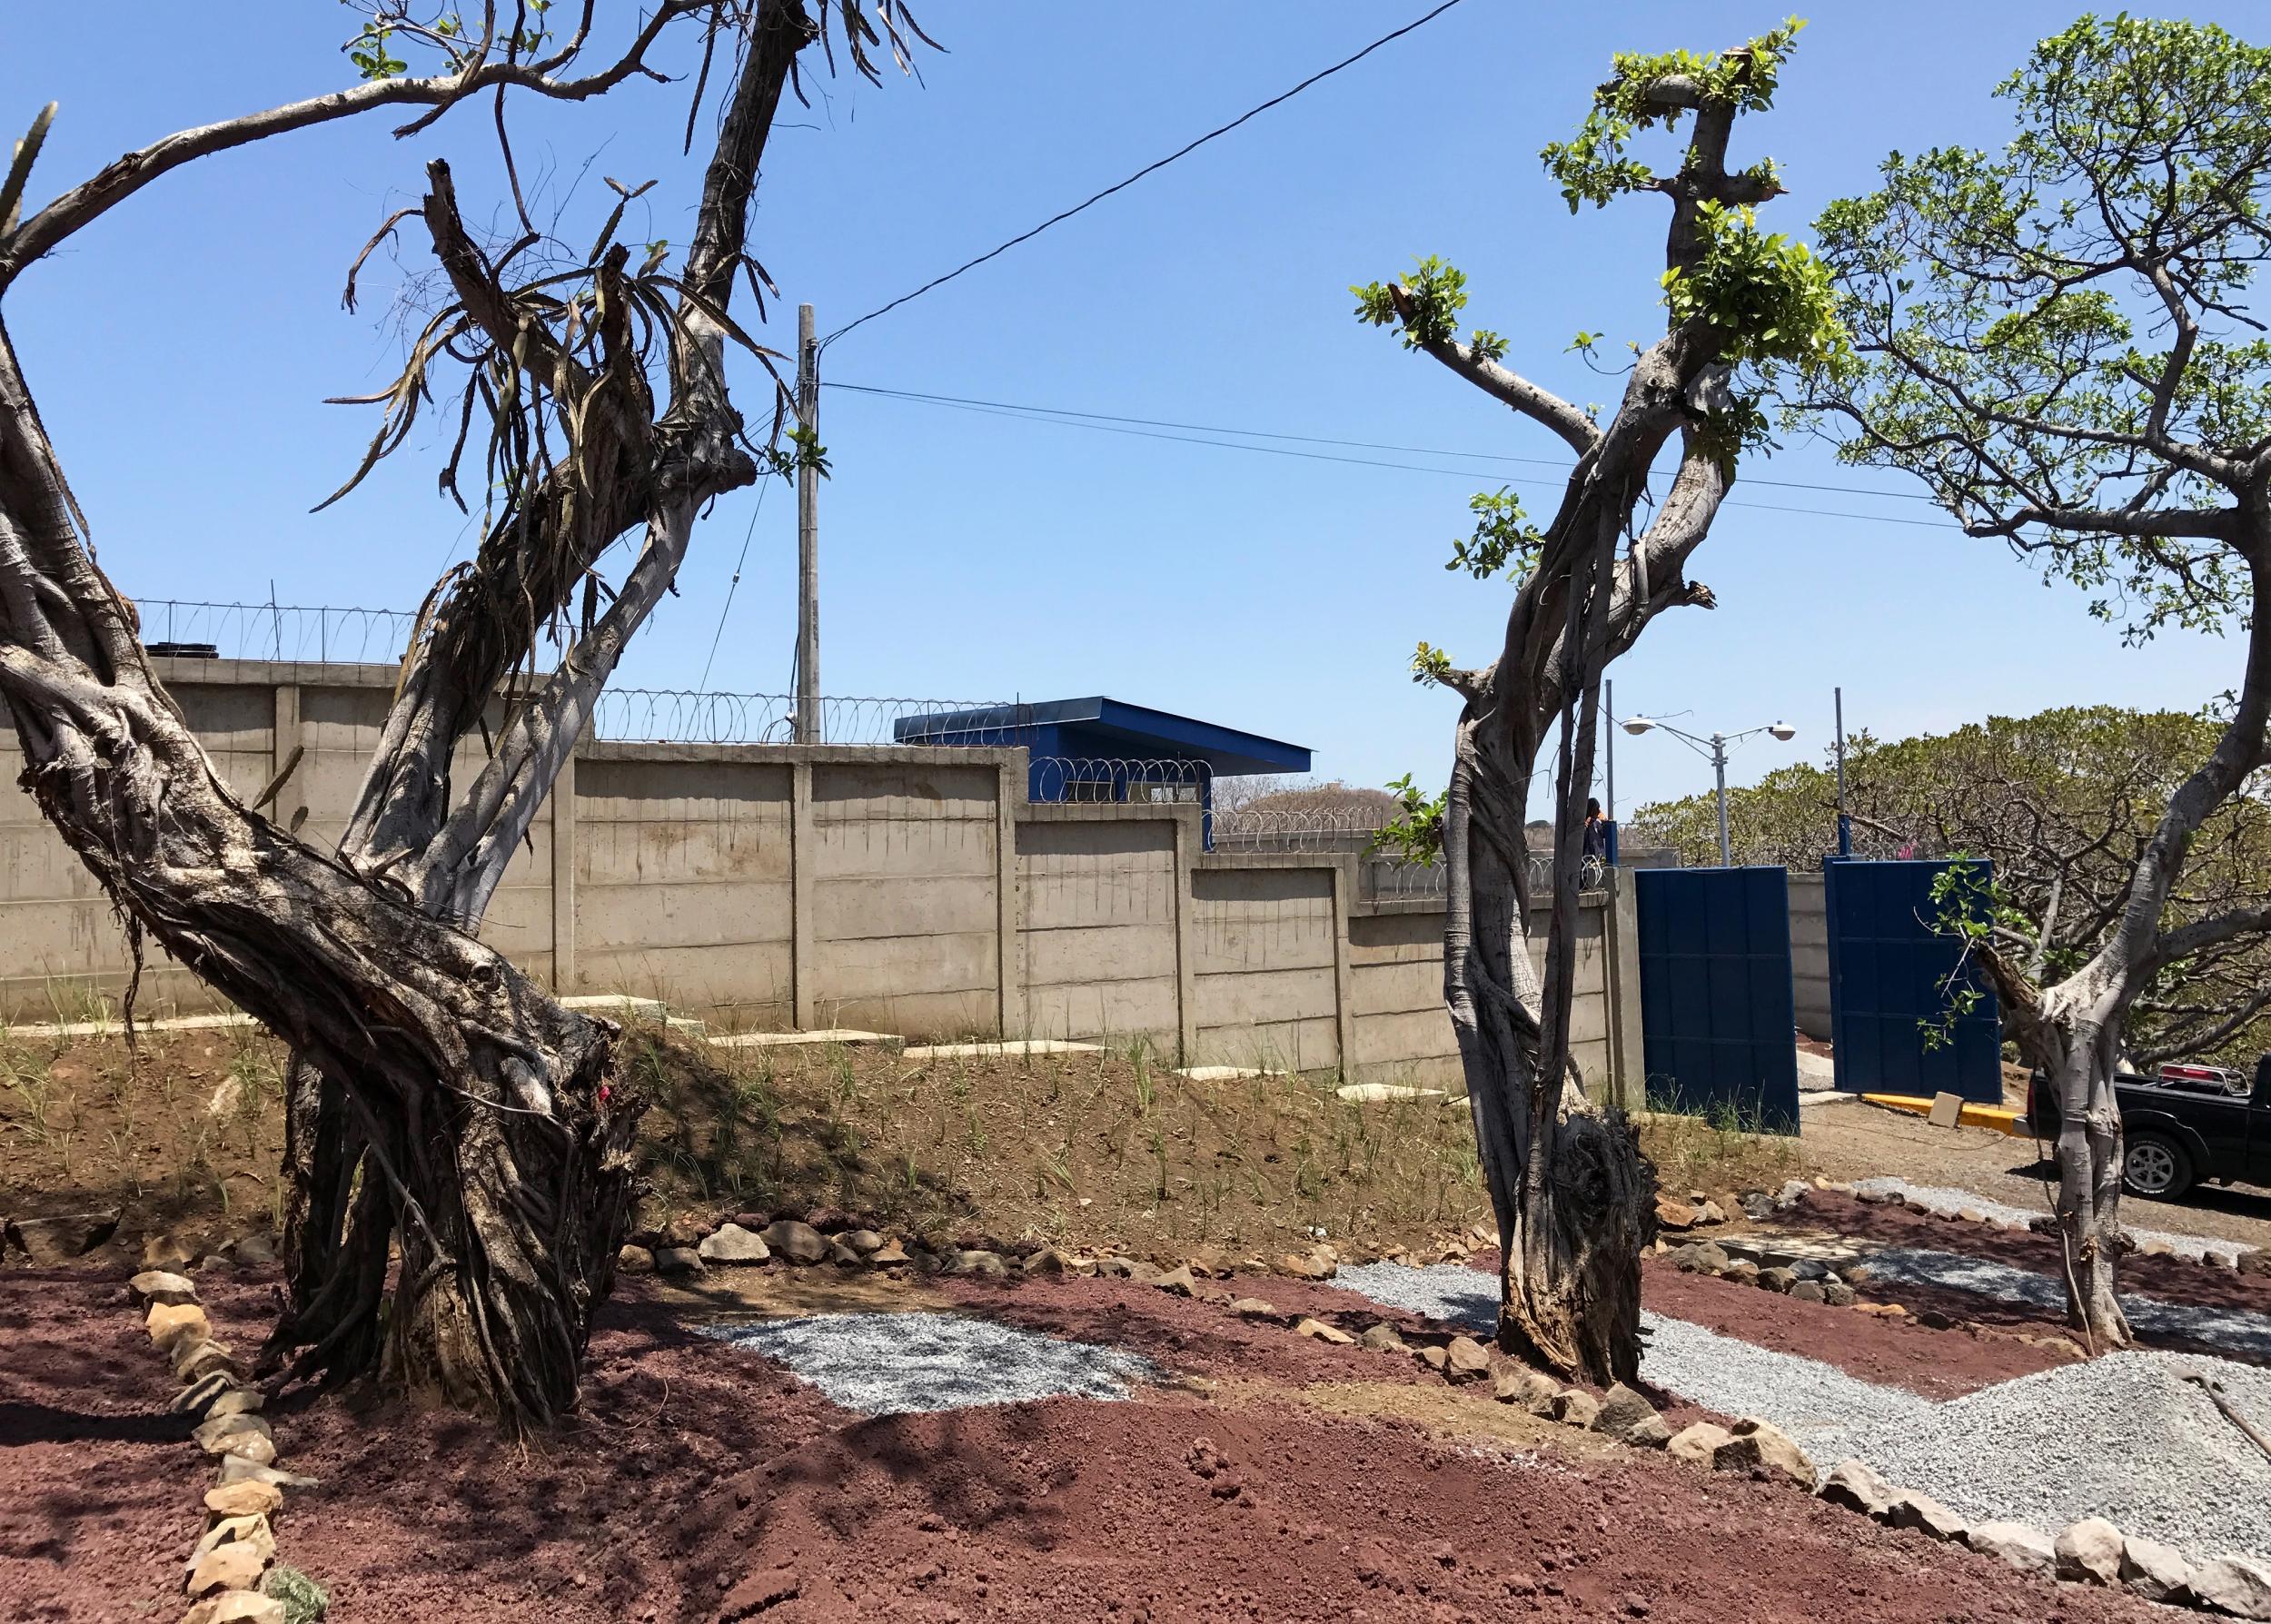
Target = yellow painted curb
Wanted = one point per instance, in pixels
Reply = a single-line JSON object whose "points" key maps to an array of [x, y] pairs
{"points": [[2000, 1118]]}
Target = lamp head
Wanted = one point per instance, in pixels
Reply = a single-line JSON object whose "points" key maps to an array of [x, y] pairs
{"points": [[1637, 725], [1782, 730]]}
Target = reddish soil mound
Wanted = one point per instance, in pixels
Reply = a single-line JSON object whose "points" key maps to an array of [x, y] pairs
{"points": [[1938, 1364], [703, 1482]]}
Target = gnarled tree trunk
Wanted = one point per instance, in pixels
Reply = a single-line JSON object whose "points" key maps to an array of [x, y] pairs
{"points": [[1573, 1195], [449, 1122], [2070, 1031]]}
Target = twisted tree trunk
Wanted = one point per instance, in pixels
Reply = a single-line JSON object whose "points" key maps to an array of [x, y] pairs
{"points": [[482, 1103], [1573, 1195], [460, 1153], [2070, 1031]]}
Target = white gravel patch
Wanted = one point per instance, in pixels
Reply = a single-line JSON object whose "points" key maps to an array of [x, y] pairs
{"points": [[2122, 1437], [913, 1363], [1449, 1292], [2238, 1330], [1942, 1198]]}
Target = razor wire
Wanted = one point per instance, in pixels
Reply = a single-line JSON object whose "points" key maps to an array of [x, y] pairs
{"points": [[1302, 830], [1381, 875], [301, 633], [1154, 779], [688, 715]]}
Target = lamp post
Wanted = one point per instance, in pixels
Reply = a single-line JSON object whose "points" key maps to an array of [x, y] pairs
{"points": [[1715, 750]]}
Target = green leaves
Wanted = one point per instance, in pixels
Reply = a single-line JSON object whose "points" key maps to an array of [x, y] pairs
{"points": [[804, 451], [1415, 835], [1499, 540], [1430, 665], [2060, 328], [1435, 294], [1766, 295], [1648, 91], [367, 51], [1968, 906]]}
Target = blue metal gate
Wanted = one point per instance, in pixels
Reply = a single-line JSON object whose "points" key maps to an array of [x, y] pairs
{"points": [[1716, 1027], [1889, 964]]}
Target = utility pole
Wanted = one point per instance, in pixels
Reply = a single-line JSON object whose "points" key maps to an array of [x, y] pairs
{"points": [[1719, 765], [1845, 823], [1609, 705], [807, 725]]}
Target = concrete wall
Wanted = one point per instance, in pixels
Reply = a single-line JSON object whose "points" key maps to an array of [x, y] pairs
{"points": [[904, 890], [1810, 954]]}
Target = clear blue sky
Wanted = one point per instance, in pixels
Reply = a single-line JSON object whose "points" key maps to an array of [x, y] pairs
{"points": [[181, 349]]}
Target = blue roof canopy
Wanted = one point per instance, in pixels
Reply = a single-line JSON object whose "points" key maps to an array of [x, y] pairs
{"points": [[1102, 726]]}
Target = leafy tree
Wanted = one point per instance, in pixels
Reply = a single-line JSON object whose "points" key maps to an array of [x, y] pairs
{"points": [[443, 1108], [2057, 339], [1573, 1194], [2063, 804]]}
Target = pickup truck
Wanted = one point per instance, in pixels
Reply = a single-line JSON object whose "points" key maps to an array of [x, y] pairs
{"points": [[2190, 1124]]}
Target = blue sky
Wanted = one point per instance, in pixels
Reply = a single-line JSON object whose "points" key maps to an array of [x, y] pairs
{"points": [[182, 347]]}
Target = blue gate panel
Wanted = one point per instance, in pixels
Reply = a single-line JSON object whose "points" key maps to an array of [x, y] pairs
{"points": [[1889, 963], [1718, 1027]]}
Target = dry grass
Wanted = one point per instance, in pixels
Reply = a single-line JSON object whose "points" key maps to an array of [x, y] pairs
{"points": [[1112, 1148], [1715, 1153], [188, 1130]]}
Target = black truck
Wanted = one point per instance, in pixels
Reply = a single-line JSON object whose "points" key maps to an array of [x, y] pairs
{"points": [[2190, 1122]]}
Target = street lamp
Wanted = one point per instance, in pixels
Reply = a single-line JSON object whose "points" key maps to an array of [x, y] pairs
{"points": [[1714, 747]]}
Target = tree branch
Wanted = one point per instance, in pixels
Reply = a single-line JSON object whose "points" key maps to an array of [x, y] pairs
{"points": [[127, 175], [1502, 383]]}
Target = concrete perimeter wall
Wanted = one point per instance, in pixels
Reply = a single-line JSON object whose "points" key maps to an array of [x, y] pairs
{"points": [[905, 890], [1810, 954]]}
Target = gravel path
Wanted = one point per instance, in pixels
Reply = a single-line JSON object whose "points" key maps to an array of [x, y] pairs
{"points": [[2123, 1437], [2238, 1330], [1941, 1198], [914, 1364]]}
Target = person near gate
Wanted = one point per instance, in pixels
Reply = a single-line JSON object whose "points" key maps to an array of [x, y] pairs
{"points": [[1596, 833]]}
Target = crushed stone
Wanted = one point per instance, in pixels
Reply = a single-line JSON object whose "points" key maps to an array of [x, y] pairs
{"points": [[2123, 1437], [915, 1363], [2238, 1330], [1942, 1198]]}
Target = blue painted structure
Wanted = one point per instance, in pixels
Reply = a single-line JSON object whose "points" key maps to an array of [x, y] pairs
{"points": [[1888, 967], [1717, 1022], [1106, 749]]}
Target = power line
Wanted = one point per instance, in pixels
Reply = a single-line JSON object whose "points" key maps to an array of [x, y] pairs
{"points": [[735, 585], [1363, 445], [1031, 415], [1147, 169]]}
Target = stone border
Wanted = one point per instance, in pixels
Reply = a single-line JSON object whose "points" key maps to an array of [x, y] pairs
{"points": [[2242, 1259], [226, 1567]]}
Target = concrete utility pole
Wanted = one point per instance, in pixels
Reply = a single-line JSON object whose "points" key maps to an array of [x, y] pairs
{"points": [[808, 724], [1845, 823]]}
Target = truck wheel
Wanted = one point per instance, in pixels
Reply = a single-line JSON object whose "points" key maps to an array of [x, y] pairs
{"points": [[2156, 1167]]}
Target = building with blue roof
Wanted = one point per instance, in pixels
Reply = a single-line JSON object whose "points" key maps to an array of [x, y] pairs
{"points": [[1106, 749]]}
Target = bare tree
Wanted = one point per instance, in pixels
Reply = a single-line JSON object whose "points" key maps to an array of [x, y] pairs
{"points": [[1572, 1194], [441, 1103], [2055, 340]]}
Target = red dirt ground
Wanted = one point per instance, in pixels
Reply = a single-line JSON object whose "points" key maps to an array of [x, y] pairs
{"points": [[1939, 1364], [703, 1482], [96, 1496]]}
